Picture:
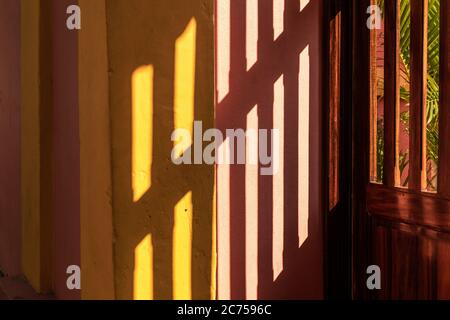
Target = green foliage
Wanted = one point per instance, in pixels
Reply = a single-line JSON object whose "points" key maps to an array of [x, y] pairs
{"points": [[432, 77]]}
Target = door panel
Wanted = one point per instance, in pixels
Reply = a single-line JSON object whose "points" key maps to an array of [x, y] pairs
{"points": [[404, 229], [338, 149], [412, 260], [410, 242]]}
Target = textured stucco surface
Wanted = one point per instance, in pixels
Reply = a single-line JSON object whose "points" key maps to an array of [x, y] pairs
{"points": [[30, 134], [143, 33], [95, 155]]}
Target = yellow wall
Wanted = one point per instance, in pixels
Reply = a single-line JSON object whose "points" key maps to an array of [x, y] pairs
{"points": [[161, 74], [147, 225], [95, 155], [36, 139]]}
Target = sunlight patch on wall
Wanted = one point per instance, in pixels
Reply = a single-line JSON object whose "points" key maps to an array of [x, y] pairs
{"points": [[303, 146], [142, 130], [303, 4], [182, 248], [251, 33], [184, 97], [278, 18], [214, 245], [251, 206], [223, 220], [143, 270], [278, 182], [223, 48]]}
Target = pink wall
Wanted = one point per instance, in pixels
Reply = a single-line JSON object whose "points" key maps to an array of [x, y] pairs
{"points": [[10, 229], [270, 241], [66, 151]]}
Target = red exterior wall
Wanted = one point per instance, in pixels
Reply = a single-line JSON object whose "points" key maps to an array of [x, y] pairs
{"points": [[66, 151], [10, 229], [301, 275]]}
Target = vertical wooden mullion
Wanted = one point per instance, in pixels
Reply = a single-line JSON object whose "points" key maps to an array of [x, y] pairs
{"points": [[373, 103], [391, 170], [417, 140], [334, 104], [444, 110]]}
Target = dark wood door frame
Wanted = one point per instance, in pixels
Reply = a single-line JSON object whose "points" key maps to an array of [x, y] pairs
{"points": [[338, 75], [360, 141], [347, 55]]}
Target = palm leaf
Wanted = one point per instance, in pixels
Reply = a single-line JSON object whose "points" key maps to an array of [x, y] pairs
{"points": [[432, 102]]}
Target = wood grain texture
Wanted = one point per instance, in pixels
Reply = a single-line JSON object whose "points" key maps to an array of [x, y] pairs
{"points": [[381, 252], [334, 109], [414, 262], [410, 241], [425, 210], [443, 270], [373, 103]]}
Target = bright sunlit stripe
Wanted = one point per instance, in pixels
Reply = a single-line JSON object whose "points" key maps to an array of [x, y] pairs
{"points": [[143, 270], [223, 48], [303, 147], [142, 130], [182, 249], [213, 288], [278, 18], [185, 55], [303, 4], [251, 32], [223, 220], [184, 99], [251, 206], [278, 182]]}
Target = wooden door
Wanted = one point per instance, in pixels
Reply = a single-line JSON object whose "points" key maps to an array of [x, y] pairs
{"points": [[337, 148], [401, 218]]}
